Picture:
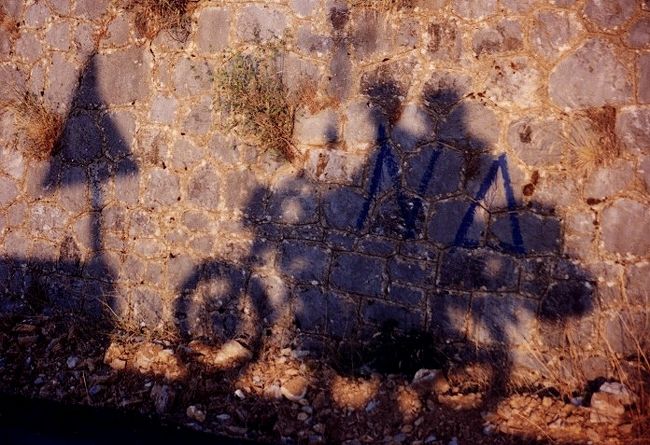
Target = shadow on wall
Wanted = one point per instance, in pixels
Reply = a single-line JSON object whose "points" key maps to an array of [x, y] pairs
{"points": [[91, 152], [430, 254]]}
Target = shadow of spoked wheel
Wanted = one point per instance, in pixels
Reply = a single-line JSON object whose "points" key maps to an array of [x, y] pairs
{"points": [[215, 316]]}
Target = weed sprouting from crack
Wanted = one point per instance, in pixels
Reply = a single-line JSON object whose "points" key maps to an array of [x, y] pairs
{"points": [[154, 16], [591, 135], [255, 100], [384, 6]]}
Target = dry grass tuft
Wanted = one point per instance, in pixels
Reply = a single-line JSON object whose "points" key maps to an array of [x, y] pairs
{"points": [[154, 16], [39, 127], [8, 24], [592, 138], [384, 5], [256, 101]]}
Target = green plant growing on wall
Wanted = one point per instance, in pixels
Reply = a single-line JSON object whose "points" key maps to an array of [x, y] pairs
{"points": [[257, 103]]}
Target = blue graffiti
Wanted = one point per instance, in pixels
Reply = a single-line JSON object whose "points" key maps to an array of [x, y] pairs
{"points": [[410, 208], [517, 245]]}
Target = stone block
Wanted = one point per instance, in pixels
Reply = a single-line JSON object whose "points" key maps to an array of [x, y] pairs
{"points": [[448, 314], [521, 6], [213, 30], [553, 32], [502, 319], [28, 47], [163, 109], [118, 32], [193, 77], [643, 77], [457, 222], [199, 119], [8, 191], [120, 77], [480, 269], [303, 261], [335, 166], [444, 39], [539, 234], [204, 188], [82, 140], [293, 201], [637, 286], [413, 128], [470, 124], [58, 35], [566, 300], [444, 89], [416, 273], [257, 23], [608, 180], [118, 128], [632, 129], [325, 313], [434, 172], [537, 141], [474, 9], [92, 9], [639, 34], [378, 246], [624, 227], [592, 76], [313, 44], [505, 36], [380, 313], [358, 274], [610, 14], [318, 130], [405, 295], [304, 8], [343, 207], [515, 81]]}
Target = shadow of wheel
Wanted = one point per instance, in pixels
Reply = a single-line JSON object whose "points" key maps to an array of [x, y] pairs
{"points": [[216, 317]]}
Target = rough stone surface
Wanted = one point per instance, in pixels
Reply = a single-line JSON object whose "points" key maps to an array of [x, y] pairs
{"points": [[447, 219], [592, 76], [435, 187], [610, 14], [120, 77], [304, 262], [632, 129], [470, 124], [478, 9], [8, 191], [260, 22], [623, 224], [639, 34], [537, 141], [643, 78], [515, 82], [486, 270], [539, 234], [444, 40], [413, 127], [553, 33], [506, 36], [213, 27], [609, 180], [319, 129], [358, 274]]}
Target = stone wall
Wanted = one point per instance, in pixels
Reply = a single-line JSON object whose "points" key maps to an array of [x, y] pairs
{"points": [[439, 191]]}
